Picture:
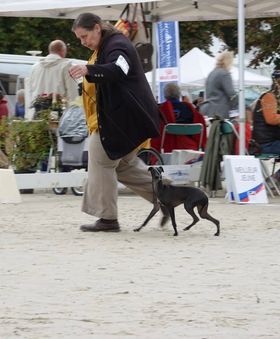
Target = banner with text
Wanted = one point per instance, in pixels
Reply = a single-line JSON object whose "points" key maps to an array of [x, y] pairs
{"points": [[244, 179], [168, 54]]}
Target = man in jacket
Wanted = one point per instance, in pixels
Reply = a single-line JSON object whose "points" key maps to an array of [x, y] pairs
{"points": [[121, 114], [51, 74]]}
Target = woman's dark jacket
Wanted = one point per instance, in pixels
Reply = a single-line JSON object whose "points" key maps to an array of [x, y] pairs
{"points": [[127, 112], [263, 133]]}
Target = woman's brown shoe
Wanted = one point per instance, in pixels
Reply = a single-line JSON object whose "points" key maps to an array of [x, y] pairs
{"points": [[102, 225]]}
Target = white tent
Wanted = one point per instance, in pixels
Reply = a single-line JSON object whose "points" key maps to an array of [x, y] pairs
{"points": [[66, 9], [181, 10], [196, 65]]}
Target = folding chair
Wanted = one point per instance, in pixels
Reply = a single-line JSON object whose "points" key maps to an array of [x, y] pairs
{"points": [[182, 129], [264, 157], [228, 127]]}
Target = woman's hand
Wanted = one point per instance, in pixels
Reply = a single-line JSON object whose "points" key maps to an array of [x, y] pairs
{"points": [[78, 71]]}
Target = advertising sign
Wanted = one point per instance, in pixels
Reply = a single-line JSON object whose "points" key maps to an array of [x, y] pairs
{"points": [[244, 179], [168, 54]]}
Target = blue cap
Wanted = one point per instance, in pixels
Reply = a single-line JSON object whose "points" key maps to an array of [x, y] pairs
{"points": [[275, 74]]}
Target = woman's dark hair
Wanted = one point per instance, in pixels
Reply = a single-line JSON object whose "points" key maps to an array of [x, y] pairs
{"points": [[88, 22]]}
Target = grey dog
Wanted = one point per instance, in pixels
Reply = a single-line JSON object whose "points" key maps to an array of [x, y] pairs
{"points": [[170, 196]]}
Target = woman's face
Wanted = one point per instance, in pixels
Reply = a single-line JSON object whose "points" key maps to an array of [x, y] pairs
{"points": [[89, 39]]}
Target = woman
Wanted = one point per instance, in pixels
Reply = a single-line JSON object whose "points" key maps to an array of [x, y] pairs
{"points": [[220, 95], [181, 112], [121, 113], [266, 118]]}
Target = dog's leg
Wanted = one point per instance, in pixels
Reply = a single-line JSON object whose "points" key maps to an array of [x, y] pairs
{"points": [[190, 210], [172, 216], [202, 210], [152, 213]]}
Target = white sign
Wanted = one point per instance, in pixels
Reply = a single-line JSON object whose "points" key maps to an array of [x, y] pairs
{"points": [[182, 174], [244, 179], [9, 193]]}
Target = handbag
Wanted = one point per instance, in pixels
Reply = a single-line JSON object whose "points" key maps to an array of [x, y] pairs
{"points": [[128, 26], [142, 43], [122, 24], [142, 35], [145, 52]]}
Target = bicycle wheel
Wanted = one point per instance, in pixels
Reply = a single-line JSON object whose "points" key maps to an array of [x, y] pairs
{"points": [[79, 191], [150, 156]]}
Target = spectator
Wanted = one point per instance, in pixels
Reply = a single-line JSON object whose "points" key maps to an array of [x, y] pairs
{"points": [[121, 113], [176, 111], [4, 111], [20, 104], [51, 74], [220, 95], [266, 118]]}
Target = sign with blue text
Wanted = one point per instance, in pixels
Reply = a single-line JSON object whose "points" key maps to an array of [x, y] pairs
{"points": [[168, 54], [244, 179]]}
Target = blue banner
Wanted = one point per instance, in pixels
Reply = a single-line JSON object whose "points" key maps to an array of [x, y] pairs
{"points": [[168, 54]]}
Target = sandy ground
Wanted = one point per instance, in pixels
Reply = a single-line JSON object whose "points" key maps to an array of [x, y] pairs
{"points": [[57, 282]]}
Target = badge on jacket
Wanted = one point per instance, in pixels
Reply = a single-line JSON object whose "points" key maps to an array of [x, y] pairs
{"points": [[122, 63]]}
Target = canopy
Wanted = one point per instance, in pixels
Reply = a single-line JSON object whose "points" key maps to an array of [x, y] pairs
{"points": [[181, 10], [189, 10], [196, 65], [69, 9]]}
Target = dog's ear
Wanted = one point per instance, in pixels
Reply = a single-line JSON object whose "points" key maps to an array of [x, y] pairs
{"points": [[150, 168], [160, 168]]}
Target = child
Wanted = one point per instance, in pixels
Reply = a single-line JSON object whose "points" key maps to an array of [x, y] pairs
{"points": [[20, 108]]}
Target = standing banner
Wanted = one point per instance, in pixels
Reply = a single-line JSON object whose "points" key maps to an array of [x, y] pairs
{"points": [[244, 179], [168, 54]]}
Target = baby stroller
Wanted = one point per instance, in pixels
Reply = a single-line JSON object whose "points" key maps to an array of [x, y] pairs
{"points": [[72, 145]]}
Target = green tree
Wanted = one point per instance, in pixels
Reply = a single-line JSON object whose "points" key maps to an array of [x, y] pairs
{"points": [[196, 34], [262, 36], [18, 35]]}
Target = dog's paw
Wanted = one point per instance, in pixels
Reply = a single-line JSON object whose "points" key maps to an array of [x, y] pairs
{"points": [[136, 229]]}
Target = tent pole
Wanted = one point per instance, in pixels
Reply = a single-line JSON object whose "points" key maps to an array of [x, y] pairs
{"points": [[241, 51]]}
